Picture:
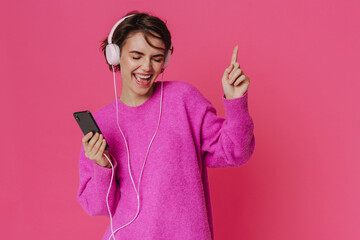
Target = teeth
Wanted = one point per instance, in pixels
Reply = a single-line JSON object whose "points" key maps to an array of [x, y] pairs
{"points": [[142, 77]]}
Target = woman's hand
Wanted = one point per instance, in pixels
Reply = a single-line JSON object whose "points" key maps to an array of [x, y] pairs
{"points": [[95, 148], [234, 82]]}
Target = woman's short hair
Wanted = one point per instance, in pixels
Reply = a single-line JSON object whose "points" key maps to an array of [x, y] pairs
{"points": [[140, 22]]}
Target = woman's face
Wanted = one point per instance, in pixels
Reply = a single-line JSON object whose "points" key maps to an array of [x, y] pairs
{"points": [[140, 65]]}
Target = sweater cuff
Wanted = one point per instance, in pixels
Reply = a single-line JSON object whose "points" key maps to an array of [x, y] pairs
{"points": [[234, 108], [103, 173]]}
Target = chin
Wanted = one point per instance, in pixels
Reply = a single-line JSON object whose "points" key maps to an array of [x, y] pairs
{"points": [[143, 91]]}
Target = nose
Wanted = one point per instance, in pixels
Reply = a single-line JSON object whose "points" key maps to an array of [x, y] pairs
{"points": [[146, 65]]}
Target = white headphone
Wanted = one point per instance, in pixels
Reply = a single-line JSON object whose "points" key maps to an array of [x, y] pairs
{"points": [[113, 51], [113, 58]]}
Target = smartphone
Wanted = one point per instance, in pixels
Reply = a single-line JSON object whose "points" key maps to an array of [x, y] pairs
{"points": [[87, 123]]}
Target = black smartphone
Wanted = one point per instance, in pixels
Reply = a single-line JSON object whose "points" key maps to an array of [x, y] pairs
{"points": [[87, 123]]}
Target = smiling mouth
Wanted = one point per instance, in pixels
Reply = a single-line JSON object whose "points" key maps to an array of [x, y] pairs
{"points": [[142, 80]]}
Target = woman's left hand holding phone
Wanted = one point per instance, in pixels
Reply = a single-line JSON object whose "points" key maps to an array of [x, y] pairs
{"points": [[95, 149]]}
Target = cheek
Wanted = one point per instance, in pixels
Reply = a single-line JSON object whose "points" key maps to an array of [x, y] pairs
{"points": [[129, 65], [158, 67]]}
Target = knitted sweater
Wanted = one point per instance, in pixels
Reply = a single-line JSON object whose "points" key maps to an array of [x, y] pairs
{"points": [[174, 190]]}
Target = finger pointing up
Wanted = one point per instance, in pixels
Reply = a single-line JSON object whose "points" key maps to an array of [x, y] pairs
{"points": [[234, 56]]}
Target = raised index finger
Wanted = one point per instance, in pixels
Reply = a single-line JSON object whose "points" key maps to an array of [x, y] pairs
{"points": [[234, 55]]}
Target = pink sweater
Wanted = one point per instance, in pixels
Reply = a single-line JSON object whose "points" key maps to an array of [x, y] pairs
{"points": [[174, 190]]}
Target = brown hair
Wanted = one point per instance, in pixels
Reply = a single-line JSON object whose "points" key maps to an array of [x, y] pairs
{"points": [[139, 22]]}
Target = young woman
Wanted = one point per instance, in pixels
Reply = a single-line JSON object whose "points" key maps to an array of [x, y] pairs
{"points": [[162, 136]]}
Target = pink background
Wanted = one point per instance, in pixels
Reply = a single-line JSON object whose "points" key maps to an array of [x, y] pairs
{"points": [[301, 56]]}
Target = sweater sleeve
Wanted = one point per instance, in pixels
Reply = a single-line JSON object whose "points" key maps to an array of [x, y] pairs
{"points": [[228, 142], [94, 185]]}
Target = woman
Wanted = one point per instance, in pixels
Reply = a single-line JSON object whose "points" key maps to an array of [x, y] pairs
{"points": [[162, 136]]}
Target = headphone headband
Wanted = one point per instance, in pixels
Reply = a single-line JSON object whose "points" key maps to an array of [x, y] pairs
{"points": [[114, 27]]}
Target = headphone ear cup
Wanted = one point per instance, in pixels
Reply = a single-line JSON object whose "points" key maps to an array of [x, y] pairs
{"points": [[112, 52], [167, 59]]}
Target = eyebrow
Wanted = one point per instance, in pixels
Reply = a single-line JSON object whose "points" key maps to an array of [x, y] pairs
{"points": [[140, 53]]}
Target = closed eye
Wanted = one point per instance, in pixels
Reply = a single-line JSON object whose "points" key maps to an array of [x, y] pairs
{"points": [[156, 60]]}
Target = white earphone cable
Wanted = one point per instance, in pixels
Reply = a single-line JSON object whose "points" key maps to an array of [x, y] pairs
{"points": [[137, 190]]}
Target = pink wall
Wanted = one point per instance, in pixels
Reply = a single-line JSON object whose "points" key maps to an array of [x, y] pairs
{"points": [[303, 179]]}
